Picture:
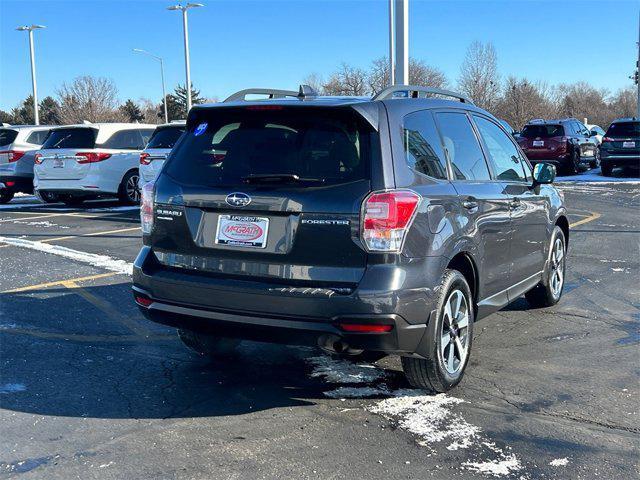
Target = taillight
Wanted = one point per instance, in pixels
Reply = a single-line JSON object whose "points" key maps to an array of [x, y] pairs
{"points": [[365, 327], [386, 218], [13, 155], [141, 300], [607, 139], [92, 157], [146, 208], [38, 158], [144, 159]]}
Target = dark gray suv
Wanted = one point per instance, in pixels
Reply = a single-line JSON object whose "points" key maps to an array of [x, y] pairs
{"points": [[367, 226]]}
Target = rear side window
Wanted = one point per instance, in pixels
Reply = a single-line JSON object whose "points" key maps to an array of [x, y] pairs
{"points": [[542, 131], [503, 154], [7, 136], [71, 138], [225, 146], [165, 137], [461, 144], [125, 140], [37, 137], [624, 130], [422, 147]]}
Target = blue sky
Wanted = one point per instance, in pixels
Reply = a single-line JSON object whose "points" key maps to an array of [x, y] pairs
{"points": [[239, 44]]}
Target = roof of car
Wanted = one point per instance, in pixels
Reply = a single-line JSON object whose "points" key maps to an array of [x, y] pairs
{"points": [[542, 121], [628, 119], [26, 127]]}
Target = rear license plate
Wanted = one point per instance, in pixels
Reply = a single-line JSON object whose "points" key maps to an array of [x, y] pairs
{"points": [[538, 143], [242, 231], [628, 144], [57, 163]]}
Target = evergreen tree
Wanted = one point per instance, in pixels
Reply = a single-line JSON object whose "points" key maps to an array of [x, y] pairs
{"points": [[131, 111]]}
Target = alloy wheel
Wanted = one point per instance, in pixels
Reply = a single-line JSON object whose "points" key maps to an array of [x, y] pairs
{"points": [[132, 189], [556, 272], [454, 335]]}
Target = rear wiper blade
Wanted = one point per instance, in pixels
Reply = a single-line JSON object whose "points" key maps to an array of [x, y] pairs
{"points": [[279, 177]]}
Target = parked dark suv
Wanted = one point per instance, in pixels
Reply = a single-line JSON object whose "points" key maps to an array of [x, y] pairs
{"points": [[565, 143], [621, 145], [367, 226]]}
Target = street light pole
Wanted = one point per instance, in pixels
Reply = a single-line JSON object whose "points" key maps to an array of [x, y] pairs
{"points": [[185, 29], [34, 84], [164, 93], [392, 46]]}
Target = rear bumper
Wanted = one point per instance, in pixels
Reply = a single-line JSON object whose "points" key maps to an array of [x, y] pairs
{"points": [[16, 183], [90, 185], [307, 316], [620, 160]]}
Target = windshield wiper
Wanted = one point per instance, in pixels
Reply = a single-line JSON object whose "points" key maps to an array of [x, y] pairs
{"points": [[279, 178]]}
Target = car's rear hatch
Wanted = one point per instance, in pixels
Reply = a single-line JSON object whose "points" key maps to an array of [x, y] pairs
{"points": [[268, 193], [543, 141], [622, 139], [58, 158]]}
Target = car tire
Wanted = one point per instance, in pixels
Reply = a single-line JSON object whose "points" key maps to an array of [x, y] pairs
{"points": [[207, 346], [438, 371], [6, 196], [606, 169], [48, 197], [129, 190], [549, 291], [574, 163]]}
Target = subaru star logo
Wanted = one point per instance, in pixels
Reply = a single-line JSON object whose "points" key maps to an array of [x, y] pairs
{"points": [[238, 199]]}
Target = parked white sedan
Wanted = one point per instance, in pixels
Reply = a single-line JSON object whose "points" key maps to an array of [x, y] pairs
{"points": [[80, 162], [153, 156]]}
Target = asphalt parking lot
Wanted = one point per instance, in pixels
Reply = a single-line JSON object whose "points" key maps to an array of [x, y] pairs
{"points": [[89, 389]]}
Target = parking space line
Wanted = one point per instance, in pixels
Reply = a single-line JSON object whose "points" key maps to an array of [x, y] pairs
{"points": [[590, 218], [92, 234], [106, 308], [86, 338], [49, 215], [60, 282]]}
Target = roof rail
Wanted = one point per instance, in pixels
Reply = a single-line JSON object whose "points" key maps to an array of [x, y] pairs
{"points": [[272, 93], [413, 91]]}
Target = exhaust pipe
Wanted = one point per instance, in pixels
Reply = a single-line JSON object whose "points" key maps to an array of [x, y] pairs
{"points": [[335, 344]]}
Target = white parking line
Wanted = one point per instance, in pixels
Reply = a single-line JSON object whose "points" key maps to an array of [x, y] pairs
{"points": [[100, 261]]}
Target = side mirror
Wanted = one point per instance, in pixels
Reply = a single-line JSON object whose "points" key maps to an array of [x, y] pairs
{"points": [[543, 173]]}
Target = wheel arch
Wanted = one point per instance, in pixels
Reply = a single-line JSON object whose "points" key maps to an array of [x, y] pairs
{"points": [[563, 223], [463, 263]]}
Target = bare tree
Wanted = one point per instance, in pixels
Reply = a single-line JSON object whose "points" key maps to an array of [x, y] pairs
{"points": [[479, 77], [89, 98], [347, 80], [581, 100], [623, 104], [419, 74], [523, 100]]}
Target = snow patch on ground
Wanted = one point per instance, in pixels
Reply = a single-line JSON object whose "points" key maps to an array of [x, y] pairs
{"points": [[559, 462], [618, 269], [100, 261], [495, 468], [45, 224], [595, 176], [429, 417], [344, 371], [12, 388]]}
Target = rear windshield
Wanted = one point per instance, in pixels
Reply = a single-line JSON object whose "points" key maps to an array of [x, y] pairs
{"points": [[70, 138], [542, 131], [624, 129], [7, 136], [165, 137], [227, 146]]}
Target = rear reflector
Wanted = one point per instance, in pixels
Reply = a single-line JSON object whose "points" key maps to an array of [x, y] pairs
{"points": [[144, 301], [387, 217], [9, 184], [365, 327]]}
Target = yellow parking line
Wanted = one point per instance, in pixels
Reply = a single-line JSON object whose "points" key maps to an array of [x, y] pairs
{"points": [[106, 308], [92, 234], [590, 218], [60, 282]]}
